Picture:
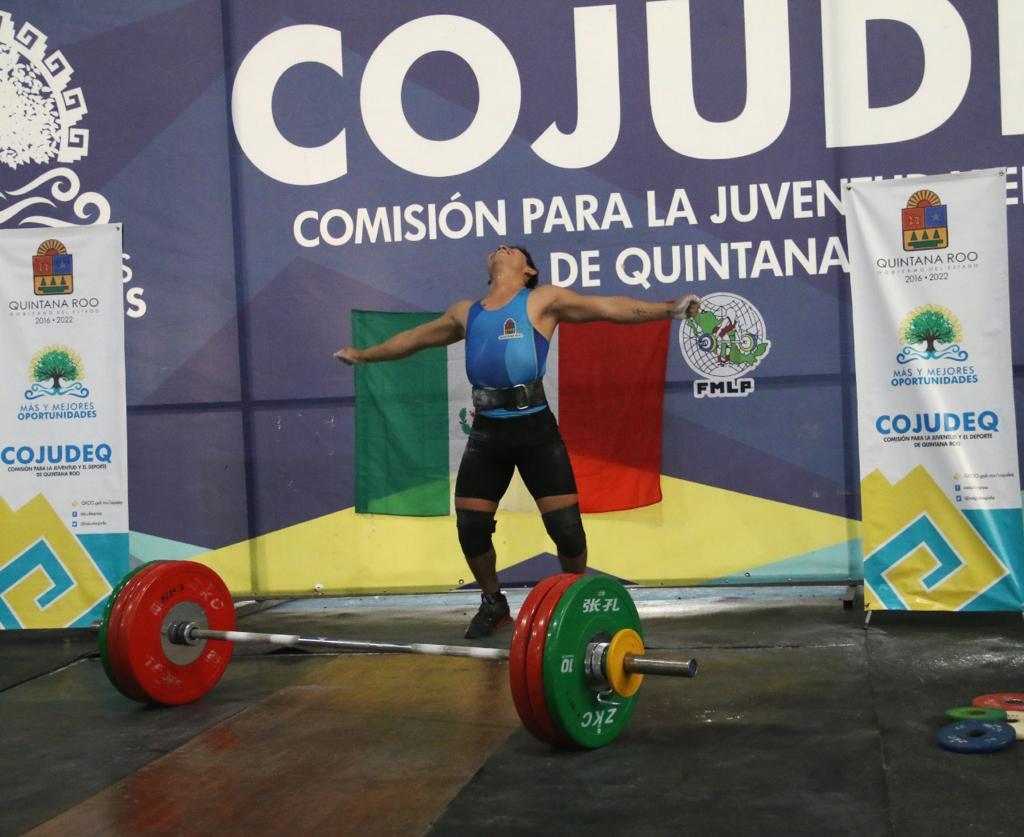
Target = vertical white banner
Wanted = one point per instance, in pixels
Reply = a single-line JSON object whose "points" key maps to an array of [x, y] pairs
{"points": [[63, 426], [940, 491]]}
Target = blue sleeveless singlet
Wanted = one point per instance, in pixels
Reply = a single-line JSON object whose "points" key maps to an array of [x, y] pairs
{"points": [[504, 349]]}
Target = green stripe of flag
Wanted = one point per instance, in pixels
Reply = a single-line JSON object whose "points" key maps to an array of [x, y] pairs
{"points": [[401, 423]]}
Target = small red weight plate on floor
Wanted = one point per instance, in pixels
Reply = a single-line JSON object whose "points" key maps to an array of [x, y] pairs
{"points": [[127, 683], [535, 660], [176, 591], [517, 655], [1008, 701]]}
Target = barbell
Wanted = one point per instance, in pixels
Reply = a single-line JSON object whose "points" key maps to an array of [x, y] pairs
{"points": [[576, 660]]}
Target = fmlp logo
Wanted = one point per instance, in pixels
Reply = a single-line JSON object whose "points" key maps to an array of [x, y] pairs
{"points": [[722, 342], [52, 269], [924, 222]]}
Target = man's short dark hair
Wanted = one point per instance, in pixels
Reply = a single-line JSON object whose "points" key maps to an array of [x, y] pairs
{"points": [[532, 281]]}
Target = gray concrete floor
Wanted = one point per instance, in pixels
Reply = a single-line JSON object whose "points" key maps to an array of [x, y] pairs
{"points": [[800, 722]]}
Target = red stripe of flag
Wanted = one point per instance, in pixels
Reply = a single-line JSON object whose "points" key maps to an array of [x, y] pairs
{"points": [[611, 386]]}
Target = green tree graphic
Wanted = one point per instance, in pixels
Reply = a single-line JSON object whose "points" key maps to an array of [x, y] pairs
{"points": [[930, 326], [54, 365]]}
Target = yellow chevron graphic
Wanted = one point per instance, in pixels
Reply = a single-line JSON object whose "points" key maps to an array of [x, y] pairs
{"points": [[889, 508], [695, 534], [37, 520]]}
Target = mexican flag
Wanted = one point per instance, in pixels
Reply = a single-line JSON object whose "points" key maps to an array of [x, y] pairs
{"points": [[604, 382]]}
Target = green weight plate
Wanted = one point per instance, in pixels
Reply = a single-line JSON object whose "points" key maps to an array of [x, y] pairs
{"points": [[105, 623], [594, 608], [535, 677], [976, 713]]}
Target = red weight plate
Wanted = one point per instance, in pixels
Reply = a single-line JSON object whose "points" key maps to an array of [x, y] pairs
{"points": [[535, 660], [517, 655], [104, 625], [116, 642], [172, 592], [126, 682], [1008, 701]]}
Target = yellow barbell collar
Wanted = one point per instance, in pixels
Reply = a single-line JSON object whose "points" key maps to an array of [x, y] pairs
{"points": [[623, 683]]}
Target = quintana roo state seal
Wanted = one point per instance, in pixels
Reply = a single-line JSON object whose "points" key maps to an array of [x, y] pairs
{"points": [[723, 342], [40, 116]]}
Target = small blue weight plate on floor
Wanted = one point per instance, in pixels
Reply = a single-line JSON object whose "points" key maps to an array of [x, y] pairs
{"points": [[976, 737]]}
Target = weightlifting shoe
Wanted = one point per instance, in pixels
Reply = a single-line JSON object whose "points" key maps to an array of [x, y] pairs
{"points": [[493, 614]]}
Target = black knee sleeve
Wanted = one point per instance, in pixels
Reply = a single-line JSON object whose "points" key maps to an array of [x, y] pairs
{"points": [[475, 530], [565, 526]]}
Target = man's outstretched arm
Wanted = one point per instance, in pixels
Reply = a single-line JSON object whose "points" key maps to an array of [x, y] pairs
{"points": [[569, 307], [443, 331]]}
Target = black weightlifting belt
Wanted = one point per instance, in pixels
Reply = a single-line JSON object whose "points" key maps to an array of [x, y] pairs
{"points": [[519, 397]]}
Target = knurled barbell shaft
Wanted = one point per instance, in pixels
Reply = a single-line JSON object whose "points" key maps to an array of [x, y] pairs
{"points": [[197, 633], [190, 633]]}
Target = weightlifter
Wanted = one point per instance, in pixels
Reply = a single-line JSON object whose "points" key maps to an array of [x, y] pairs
{"points": [[507, 334]]}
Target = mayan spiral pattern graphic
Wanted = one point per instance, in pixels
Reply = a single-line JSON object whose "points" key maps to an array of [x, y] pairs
{"points": [[39, 112], [39, 116]]}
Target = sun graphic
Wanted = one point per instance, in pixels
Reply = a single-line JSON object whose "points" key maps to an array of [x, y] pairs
{"points": [[923, 198], [51, 247]]}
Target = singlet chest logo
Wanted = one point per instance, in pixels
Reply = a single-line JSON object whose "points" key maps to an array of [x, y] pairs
{"points": [[509, 331]]}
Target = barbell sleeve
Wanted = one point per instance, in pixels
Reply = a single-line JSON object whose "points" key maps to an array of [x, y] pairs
{"points": [[635, 664]]}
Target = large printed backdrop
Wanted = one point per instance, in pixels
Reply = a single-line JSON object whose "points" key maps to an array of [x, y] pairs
{"points": [[278, 165]]}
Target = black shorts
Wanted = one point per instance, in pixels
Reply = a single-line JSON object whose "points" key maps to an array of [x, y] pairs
{"points": [[496, 447]]}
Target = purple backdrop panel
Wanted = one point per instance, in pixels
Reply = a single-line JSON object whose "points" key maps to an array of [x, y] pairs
{"points": [[306, 462], [776, 451], [186, 479], [289, 362]]}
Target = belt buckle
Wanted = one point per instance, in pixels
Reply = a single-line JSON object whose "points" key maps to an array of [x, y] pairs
{"points": [[521, 396]]}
